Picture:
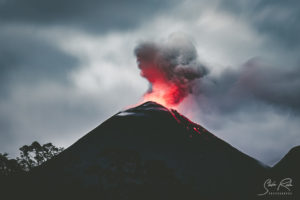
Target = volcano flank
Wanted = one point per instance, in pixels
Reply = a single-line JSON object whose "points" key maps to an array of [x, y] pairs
{"points": [[148, 152]]}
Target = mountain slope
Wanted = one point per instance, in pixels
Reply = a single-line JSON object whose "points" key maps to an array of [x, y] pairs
{"points": [[150, 152], [288, 168]]}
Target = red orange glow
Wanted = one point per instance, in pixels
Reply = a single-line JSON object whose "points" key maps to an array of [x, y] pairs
{"points": [[166, 94], [166, 89]]}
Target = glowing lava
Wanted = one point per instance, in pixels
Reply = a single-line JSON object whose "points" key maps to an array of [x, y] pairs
{"points": [[166, 94], [163, 90]]}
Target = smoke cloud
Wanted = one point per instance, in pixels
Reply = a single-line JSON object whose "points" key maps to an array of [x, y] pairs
{"points": [[253, 84], [171, 69], [174, 71]]}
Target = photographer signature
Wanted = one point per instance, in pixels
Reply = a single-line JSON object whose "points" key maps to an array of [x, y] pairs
{"points": [[285, 184]]}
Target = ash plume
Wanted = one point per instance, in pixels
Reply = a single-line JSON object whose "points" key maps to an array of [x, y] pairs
{"points": [[171, 69]]}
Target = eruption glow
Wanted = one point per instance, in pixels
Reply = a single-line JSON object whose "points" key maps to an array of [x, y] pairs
{"points": [[165, 94], [170, 68]]}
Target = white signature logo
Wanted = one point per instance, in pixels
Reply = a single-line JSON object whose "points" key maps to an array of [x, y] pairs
{"points": [[281, 188]]}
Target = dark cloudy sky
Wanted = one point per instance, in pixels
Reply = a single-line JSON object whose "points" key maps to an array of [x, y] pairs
{"points": [[68, 65]]}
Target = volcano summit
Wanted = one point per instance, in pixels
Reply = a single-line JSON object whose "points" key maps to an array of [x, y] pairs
{"points": [[149, 152]]}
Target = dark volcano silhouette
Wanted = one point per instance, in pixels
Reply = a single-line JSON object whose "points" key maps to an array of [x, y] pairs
{"points": [[289, 167], [148, 152]]}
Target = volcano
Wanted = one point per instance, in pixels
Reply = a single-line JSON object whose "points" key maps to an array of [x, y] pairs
{"points": [[148, 152]]}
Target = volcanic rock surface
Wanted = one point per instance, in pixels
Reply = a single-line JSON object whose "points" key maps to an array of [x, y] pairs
{"points": [[149, 152]]}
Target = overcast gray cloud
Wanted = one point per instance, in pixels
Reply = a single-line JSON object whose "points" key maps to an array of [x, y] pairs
{"points": [[25, 56], [65, 64], [91, 15], [276, 18]]}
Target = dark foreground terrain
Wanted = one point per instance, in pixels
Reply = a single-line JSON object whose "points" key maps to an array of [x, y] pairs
{"points": [[151, 152]]}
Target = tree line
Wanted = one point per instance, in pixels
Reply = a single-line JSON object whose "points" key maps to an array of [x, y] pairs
{"points": [[30, 157]]}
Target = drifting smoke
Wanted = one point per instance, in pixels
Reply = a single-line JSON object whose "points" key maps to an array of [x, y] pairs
{"points": [[174, 71], [171, 69], [253, 84]]}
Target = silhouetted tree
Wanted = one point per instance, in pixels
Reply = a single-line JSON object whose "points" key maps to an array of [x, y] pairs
{"points": [[8, 166], [35, 154], [30, 156], [9, 173]]}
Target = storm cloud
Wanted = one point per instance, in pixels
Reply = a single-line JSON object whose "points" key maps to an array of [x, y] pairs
{"points": [[91, 15], [275, 18]]}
